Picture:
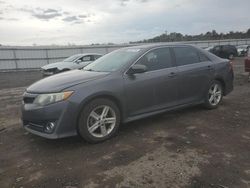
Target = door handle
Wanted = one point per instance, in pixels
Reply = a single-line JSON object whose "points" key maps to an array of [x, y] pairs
{"points": [[172, 74], [209, 67]]}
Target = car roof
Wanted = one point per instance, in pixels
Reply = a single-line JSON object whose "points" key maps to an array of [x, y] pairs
{"points": [[150, 46], [86, 54]]}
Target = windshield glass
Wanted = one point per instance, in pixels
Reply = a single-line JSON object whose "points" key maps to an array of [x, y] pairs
{"points": [[71, 58], [113, 61]]}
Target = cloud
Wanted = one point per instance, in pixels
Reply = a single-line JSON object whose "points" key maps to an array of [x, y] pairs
{"points": [[78, 19], [9, 19], [46, 16], [116, 21], [143, 1], [51, 11], [124, 2], [43, 14], [70, 19], [50, 14], [83, 16], [66, 13]]}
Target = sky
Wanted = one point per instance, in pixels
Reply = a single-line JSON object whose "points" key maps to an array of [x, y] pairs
{"points": [[80, 22]]}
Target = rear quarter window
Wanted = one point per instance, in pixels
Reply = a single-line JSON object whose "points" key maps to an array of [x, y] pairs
{"points": [[203, 57]]}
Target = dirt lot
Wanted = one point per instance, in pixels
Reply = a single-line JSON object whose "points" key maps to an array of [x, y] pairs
{"points": [[187, 148]]}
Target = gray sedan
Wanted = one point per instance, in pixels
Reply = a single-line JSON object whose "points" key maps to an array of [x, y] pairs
{"points": [[122, 86], [77, 61]]}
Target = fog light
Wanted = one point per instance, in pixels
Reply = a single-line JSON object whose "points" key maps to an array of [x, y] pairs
{"points": [[49, 127]]}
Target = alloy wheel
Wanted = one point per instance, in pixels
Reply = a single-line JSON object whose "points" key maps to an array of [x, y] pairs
{"points": [[215, 94], [101, 121]]}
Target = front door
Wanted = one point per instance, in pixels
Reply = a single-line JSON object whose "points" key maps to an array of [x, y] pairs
{"points": [[154, 89]]}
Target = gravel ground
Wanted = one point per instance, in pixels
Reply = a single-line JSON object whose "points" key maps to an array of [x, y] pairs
{"points": [[192, 147]]}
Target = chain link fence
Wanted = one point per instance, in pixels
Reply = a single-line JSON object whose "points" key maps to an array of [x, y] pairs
{"points": [[20, 58]]}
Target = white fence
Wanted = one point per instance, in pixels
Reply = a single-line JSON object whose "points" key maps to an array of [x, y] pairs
{"points": [[15, 58]]}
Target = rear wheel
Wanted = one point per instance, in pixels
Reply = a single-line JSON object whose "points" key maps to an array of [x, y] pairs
{"points": [[99, 120], [214, 95]]}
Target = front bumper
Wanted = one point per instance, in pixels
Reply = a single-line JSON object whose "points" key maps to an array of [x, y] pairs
{"points": [[62, 114]]}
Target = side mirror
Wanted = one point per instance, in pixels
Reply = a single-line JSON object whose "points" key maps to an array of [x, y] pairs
{"points": [[135, 69]]}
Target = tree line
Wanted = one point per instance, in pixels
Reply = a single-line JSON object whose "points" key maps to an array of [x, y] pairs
{"points": [[210, 35]]}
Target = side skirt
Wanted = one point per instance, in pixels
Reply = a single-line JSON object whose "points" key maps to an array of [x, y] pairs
{"points": [[141, 116]]}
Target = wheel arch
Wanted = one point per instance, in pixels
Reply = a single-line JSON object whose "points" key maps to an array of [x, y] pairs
{"points": [[107, 95], [221, 80]]}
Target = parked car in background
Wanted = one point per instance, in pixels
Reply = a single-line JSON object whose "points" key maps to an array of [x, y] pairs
{"points": [[77, 61], [247, 64], [224, 51], [122, 86], [209, 48], [242, 50]]}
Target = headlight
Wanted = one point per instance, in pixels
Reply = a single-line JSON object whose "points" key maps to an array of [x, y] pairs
{"points": [[45, 99]]}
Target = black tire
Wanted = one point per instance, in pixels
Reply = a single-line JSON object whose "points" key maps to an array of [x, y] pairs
{"points": [[83, 123], [214, 104]]}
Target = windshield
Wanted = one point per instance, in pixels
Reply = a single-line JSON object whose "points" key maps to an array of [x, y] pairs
{"points": [[113, 61], [71, 58]]}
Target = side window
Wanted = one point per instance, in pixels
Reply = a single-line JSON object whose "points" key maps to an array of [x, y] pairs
{"points": [[186, 55], [203, 57], [157, 59], [86, 58]]}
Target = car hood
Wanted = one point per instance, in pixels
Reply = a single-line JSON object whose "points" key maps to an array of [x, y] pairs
{"points": [[58, 65], [58, 82]]}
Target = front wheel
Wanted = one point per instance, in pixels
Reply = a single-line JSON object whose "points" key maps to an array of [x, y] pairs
{"points": [[214, 95], [99, 120]]}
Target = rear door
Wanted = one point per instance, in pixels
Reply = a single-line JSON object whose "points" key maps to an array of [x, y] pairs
{"points": [[154, 89], [195, 73]]}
